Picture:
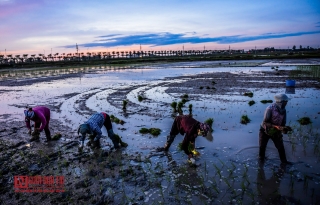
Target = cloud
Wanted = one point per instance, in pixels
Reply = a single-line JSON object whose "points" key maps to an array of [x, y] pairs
{"points": [[163, 39]]}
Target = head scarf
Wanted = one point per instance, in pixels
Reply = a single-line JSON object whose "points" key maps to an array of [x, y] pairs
{"points": [[281, 99], [83, 130], [29, 114], [205, 128]]}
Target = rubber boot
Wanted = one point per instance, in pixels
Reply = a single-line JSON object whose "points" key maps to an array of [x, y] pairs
{"points": [[48, 138], [123, 144]]}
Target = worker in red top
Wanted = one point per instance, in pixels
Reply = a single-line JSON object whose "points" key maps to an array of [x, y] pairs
{"points": [[185, 124], [41, 117]]}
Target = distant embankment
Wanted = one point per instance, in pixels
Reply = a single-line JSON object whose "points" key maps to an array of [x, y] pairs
{"points": [[157, 59]]}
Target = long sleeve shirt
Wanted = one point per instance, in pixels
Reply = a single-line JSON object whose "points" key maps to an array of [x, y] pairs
{"points": [[42, 115], [97, 120], [273, 116], [187, 125]]}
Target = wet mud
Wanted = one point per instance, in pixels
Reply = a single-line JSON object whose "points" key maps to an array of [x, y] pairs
{"points": [[144, 176]]}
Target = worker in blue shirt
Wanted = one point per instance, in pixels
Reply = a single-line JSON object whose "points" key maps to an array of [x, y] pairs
{"points": [[93, 128]]}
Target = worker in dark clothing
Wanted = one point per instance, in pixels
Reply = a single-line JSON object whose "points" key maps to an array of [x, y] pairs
{"points": [[93, 128], [272, 127], [185, 124]]}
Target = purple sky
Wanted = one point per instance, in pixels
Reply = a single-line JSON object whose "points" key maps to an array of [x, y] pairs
{"points": [[43, 26]]}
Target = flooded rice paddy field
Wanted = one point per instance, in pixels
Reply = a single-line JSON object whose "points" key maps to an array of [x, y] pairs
{"points": [[229, 171]]}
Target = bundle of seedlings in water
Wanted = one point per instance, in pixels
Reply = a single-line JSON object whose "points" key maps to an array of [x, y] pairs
{"points": [[174, 106], [274, 132], [213, 83], [191, 149], [184, 100], [124, 104], [245, 119], [209, 121], [144, 130], [190, 109], [116, 120], [249, 94], [123, 144], [152, 131], [185, 96], [201, 87], [251, 102], [180, 105], [56, 136], [140, 98], [208, 87], [266, 101], [304, 121]]}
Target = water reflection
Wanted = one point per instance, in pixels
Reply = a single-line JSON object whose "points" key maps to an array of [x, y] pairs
{"points": [[268, 189], [290, 90]]}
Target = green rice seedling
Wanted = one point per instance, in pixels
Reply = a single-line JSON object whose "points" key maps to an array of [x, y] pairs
{"points": [[155, 131], [174, 106], [249, 94], [140, 98], [223, 164], [184, 100], [304, 121], [57, 136], [190, 109], [209, 121], [227, 182], [144, 130], [218, 171], [180, 105], [251, 102], [273, 132], [185, 96], [124, 104], [245, 119], [305, 181], [266, 101]]}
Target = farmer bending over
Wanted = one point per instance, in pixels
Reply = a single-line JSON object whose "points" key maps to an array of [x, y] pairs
{"points": [[185, 124], [41, 116], [272, 127], [93, 128]]}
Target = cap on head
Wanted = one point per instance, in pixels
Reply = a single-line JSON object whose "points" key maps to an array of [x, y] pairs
{"points": [[281, 98], [205, 128]]}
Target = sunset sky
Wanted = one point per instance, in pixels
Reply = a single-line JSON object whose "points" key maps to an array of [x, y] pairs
{"points": [[45, 26]]}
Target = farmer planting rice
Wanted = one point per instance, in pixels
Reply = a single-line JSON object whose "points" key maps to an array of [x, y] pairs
{"points": [[93, 128], [41, 116], [185, 124], [272, 127]]}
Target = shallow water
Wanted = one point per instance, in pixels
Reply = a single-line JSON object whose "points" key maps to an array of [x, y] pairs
{"points": [[234, 144]]}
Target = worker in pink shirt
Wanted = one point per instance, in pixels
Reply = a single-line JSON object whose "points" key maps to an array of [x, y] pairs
{"points": [[41, 117]]}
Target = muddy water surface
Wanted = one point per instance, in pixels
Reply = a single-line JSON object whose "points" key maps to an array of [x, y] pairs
{"points": [[229, 171]]}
